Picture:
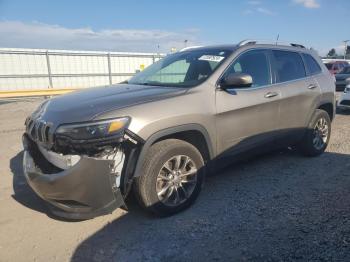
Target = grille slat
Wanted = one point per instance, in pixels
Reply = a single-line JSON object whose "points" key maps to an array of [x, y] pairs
{"points": [[39, 130]]}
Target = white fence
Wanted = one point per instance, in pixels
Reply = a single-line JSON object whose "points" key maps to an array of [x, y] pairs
{"points": [[34, 69], [326, 60]]}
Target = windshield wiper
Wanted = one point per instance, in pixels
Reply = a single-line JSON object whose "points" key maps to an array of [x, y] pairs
{"points": [[156, 83]]}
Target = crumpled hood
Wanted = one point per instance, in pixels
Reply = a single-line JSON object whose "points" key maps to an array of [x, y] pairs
{"points": [[87, 104]]}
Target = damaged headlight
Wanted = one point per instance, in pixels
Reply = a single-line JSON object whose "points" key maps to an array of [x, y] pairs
{"points": [[94, 130]]}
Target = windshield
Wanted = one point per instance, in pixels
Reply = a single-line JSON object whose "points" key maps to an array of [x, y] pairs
{"points": [[182, 69], [345, 70]]}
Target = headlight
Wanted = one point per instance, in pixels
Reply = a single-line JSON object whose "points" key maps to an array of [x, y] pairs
{"points": [[94, 130], [347, 90]]}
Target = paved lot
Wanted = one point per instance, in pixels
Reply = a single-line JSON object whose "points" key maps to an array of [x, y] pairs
{"points": [[278, 207]]}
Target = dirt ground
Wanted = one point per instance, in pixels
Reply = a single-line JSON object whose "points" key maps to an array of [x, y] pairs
{"points": [[277, 207]]}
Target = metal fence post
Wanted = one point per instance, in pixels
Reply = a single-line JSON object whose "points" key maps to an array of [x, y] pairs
{"points": [[49, 69], [109, 68]]}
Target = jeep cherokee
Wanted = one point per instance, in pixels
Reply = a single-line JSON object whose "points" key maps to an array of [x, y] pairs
{"points": [[157, 134]]}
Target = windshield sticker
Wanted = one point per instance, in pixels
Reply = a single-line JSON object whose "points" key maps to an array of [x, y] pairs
{"points": [[211, 58]]}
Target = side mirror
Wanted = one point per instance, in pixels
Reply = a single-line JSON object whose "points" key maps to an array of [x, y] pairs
{"points": [[236, 80]]}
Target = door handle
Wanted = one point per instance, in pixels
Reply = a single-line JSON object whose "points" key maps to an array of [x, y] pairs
{"points": [[312, 86], [271, 94]]}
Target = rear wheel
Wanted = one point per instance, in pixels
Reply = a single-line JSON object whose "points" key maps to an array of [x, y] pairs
{"points": [[317, 136], [172, 177]]}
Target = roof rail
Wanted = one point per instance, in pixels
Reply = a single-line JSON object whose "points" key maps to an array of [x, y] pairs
{"points": [[297, 45], [247, 42], [255, 42], [190, 47]]}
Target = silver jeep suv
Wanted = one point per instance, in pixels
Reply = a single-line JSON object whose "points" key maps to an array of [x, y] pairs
{"points": [[160, 132]]}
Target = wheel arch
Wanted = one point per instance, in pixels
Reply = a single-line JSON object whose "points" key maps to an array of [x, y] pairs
{"points": [[194, 134], [329, 108]]}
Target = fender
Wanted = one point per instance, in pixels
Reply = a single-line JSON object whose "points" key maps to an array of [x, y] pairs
{"points": [[167, 132]]}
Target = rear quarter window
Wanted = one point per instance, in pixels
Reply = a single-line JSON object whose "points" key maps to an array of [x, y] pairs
{"points": [[311, 64], [288, 66]]}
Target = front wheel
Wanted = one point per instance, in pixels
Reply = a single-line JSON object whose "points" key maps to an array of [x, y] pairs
{"points": [[317, 136], [171, 178]]}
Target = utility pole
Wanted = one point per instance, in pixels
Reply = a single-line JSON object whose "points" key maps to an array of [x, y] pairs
{"points": [[345, 47], [277, 38]]}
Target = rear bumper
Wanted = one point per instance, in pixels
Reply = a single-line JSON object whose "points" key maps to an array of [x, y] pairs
{"points": [[84, 191]]}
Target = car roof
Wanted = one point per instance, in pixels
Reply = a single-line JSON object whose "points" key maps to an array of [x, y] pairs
{"points": [[233, 47], [211, 47]]}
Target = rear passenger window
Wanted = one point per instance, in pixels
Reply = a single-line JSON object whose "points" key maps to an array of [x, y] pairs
{"points": [[312, 65], [256, 64], [289, 66]]}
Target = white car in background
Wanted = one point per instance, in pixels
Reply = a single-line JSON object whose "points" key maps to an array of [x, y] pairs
{"points": [[344, 101]]}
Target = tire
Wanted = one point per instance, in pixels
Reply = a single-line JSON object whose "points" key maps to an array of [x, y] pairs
{"points": [[307, 145], [161, 156]]}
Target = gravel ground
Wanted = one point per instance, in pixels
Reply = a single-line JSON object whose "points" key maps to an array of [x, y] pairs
{"points": [[277, 207]]}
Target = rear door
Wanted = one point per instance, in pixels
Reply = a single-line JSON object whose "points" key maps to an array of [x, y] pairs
{"points": [[247, 117], [300, 91]]}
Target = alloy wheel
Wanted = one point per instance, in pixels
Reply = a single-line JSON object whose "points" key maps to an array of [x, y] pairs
{"points": [[321, 130], [176, 180]]}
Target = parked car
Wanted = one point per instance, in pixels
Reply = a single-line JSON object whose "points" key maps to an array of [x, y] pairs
{"points": [[336, 66], [344, 101], [158, 134], [341, 78]]}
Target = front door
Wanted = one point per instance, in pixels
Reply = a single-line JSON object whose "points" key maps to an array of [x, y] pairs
{"points": [[247, 117]]}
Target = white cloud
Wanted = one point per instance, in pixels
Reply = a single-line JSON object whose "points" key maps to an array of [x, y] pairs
{"points": [[265, 11], [257, 7], [260, 10], [39, 35], [308, 3], [248, 12], [254, 2]]}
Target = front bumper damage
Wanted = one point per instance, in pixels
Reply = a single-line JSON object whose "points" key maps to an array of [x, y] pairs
{"points": [[90, 187]]}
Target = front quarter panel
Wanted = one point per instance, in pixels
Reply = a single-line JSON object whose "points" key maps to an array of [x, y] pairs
{"points": [[193, 110]]}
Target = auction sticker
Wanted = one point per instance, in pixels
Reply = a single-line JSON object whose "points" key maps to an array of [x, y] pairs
{"points": [[211, 58]]}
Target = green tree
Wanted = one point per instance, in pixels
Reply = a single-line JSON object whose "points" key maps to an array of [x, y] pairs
{"points": [[332, 53], [347, 54]]}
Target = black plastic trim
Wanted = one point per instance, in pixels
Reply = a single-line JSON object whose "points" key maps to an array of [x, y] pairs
{"points": [[169, 131]]}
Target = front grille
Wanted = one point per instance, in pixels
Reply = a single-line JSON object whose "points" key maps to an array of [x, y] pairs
{"points": [[40, 161], [345, 102], [38, 130]]}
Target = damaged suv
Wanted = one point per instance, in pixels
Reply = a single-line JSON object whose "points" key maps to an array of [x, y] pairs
{"points": [[157, 134]]}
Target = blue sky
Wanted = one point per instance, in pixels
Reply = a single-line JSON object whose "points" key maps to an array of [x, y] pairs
{"points": [[143, 25]]}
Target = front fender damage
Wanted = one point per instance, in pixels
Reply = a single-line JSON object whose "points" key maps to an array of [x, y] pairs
{"points": [[82, 186]]}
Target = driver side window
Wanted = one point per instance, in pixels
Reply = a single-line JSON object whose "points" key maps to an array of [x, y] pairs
{"points": [[254, 63]]}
